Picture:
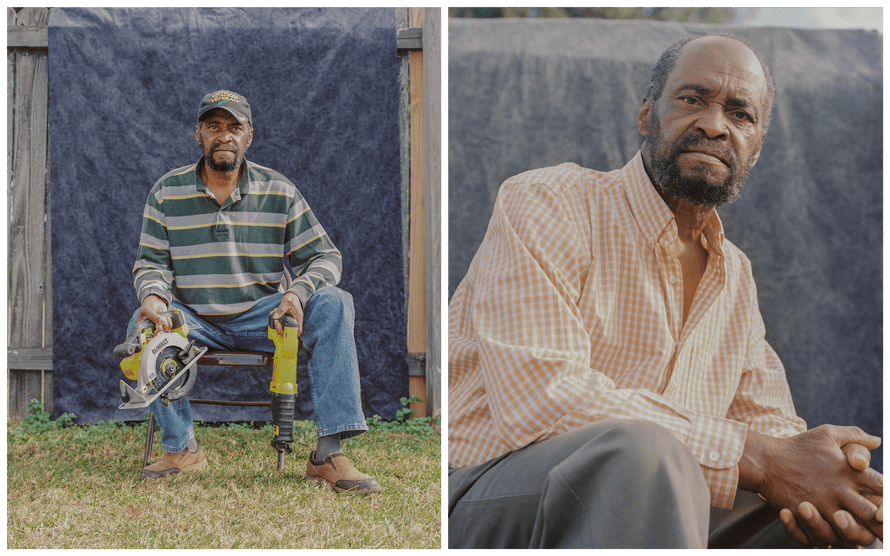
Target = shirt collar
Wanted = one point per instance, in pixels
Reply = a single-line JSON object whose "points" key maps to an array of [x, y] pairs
{"points": [[654, 218]]}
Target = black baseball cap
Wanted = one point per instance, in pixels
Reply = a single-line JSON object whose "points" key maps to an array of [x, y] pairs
{"points": [[234, 103]]}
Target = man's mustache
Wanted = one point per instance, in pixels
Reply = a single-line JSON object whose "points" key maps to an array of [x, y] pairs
{"points": [[695, 142], [218, 147]]}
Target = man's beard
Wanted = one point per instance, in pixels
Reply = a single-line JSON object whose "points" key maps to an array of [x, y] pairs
{"points": [[705, 187], [221, 166]]}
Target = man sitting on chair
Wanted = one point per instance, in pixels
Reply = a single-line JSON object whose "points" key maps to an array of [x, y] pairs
{"points": [[214, 238], [610, 384]]}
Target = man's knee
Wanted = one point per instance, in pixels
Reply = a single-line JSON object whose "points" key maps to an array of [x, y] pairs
{"points": [[644, 453], [331, 300]]}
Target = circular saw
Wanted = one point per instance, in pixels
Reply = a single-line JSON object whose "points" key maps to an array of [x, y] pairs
{"points": [[163, 365]]}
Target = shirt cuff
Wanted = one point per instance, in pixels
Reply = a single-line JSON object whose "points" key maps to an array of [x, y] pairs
{"points": [[160, 292], [717, 444], [302, 292]]}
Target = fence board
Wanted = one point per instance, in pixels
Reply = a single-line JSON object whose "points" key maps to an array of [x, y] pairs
{"points": [[416, 290], [432, 142], [24, 386], [10, 95], [48, 262], [27, 182], [27, 37], [416, 286], [29, 359]]}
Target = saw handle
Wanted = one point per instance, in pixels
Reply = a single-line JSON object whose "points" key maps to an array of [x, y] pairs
{"points": [[133, 342]]}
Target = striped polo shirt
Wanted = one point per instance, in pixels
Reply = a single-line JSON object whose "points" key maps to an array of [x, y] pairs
{"points": [[220, 259]]}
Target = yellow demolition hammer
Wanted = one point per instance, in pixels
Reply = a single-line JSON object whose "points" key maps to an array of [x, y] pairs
{"points": [[283, 388]]}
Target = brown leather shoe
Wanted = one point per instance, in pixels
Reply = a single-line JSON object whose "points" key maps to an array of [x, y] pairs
{"points": [[338, 472], [172, 463]]}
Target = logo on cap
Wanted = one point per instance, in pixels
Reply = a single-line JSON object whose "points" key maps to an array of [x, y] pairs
{"points": [[221, 97]]}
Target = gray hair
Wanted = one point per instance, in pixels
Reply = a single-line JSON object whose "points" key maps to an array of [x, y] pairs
{"points": [[669, 59]]}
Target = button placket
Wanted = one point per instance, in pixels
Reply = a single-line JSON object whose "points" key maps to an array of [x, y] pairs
{"points": [[221, 229], [673, 271]]}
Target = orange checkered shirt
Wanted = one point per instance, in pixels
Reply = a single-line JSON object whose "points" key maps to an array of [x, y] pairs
{"points": [[571, 312]]}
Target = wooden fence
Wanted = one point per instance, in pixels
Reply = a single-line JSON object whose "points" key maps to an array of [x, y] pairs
{"points": [[29, 339]]}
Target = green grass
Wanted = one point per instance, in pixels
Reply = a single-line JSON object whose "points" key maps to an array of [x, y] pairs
{"points": [[79, 487]]}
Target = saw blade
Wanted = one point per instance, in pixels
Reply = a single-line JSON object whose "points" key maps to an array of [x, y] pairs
{"points": [[133, 399], [167, 365]]}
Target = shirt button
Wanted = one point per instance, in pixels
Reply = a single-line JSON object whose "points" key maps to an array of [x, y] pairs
{"points": [[672, 279], [714, 455]]}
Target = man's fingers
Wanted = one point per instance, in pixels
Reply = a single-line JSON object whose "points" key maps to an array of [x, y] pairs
{"points": [[878, 529], [162, 324], [875, 523], [858, 505], [861, 507], [816, 528], [847, 435], [858, 456], [873, 481], [790, 524], [853, 532], [278, 328], [165, 324]]}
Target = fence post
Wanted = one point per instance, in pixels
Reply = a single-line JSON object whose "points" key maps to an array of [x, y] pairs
{"points": [[30, 303]]}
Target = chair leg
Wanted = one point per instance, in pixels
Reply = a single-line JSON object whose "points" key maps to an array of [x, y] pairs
{"points": [[149, 439]]}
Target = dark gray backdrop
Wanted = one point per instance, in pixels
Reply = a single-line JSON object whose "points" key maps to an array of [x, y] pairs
{"points": [[124, 88], [529, 93]]}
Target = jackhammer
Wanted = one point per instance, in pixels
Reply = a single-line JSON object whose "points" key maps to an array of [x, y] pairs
{"points": [[283, 388]]}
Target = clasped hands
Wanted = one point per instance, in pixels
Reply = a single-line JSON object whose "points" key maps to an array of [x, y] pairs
{"points": [[821, 479]]}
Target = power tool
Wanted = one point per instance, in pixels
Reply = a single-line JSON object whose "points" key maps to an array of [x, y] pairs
{"points": [[163, 365], [283, 388]]}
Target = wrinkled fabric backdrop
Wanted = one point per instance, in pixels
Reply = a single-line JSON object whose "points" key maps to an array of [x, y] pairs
{"points": [[124, 88], [525, 94]]}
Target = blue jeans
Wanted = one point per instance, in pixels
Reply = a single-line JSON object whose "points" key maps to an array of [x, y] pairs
{"points": [[327, 338]]}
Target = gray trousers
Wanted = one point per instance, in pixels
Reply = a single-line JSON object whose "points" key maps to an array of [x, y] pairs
{"points": [[613, 484]]}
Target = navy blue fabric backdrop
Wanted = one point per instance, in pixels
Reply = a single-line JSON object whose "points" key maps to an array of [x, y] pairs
{"points": [[124, 87], [531, 93]]}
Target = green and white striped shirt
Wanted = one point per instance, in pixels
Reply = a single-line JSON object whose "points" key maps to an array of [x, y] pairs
{"points": [[220, 259]]}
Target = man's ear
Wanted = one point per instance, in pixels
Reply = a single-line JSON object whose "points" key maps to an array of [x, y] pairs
{"points": [[198, 133], [643, 118], [250, 137]]}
